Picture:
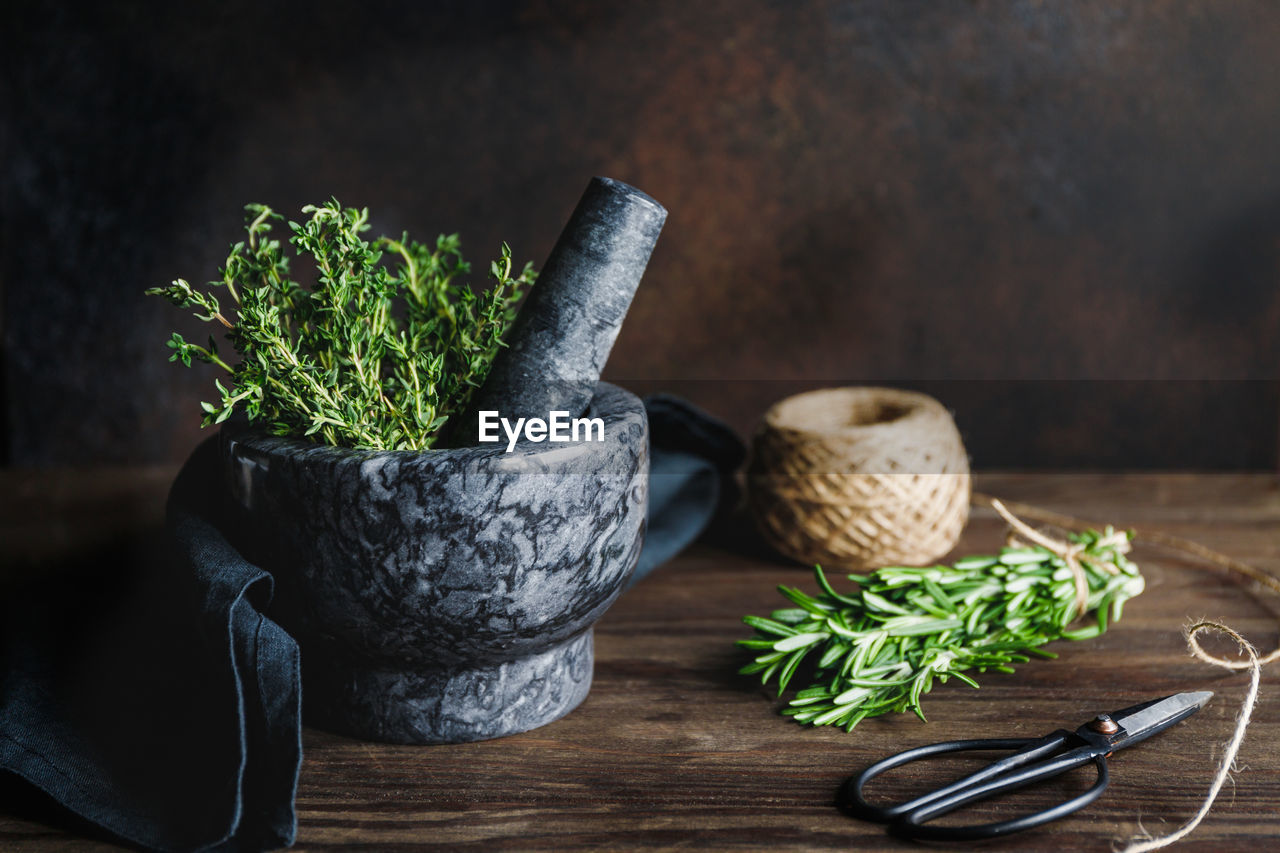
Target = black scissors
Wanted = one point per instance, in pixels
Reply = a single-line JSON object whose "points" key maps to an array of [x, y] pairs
{"points": [[1035, 759]]}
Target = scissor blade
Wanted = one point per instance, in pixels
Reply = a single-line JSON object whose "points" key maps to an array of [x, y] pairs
{"points": [[1140, 722]]}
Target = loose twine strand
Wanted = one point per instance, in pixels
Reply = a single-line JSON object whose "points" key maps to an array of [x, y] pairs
{"points": [[1137, 845], [1253, 662]]}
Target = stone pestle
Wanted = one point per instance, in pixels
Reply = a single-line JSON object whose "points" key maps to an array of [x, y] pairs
{"points": [[560, 341]]}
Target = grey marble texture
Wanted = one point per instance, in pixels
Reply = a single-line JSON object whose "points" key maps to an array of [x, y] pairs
{"points": [[561, 339], [448, 595]]}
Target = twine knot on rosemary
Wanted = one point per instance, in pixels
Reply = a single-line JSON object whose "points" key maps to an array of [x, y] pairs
{"points": [[1110, 542]]}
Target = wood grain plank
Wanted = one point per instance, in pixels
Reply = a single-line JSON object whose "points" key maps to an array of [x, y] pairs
{"points": [[673, 750]]}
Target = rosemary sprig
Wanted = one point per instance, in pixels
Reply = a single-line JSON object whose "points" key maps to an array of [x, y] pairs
{"points": [[882, 647], [383, 349]]}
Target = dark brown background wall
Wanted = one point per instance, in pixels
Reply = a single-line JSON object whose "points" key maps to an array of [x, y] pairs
{"points": [[1063, 219]]}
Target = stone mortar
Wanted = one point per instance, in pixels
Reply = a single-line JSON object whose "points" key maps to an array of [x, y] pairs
{"points": [[448, 595]]}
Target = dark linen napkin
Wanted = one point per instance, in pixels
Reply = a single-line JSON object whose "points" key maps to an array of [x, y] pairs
{"points": [[159, 701], [692, 460]]}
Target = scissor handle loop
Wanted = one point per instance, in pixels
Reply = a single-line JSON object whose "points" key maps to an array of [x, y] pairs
{"points": [[911, 825], [1015, 771]]}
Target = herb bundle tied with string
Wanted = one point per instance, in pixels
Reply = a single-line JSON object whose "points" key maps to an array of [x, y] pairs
{"points": [[880, 648], [378, 354]]}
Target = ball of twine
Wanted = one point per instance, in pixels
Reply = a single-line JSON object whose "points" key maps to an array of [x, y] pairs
{"points": [[859, 478]]}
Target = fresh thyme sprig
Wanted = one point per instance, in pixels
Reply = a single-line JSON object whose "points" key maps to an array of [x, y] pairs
{"points": [[882, 647], [376, 355]]}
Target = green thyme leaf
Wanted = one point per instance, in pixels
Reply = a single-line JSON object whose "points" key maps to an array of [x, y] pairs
{"points": [[379, 353]]}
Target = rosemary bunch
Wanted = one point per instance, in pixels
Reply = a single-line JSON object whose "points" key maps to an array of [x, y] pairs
{"points": [[882, 647], [378, 354]]}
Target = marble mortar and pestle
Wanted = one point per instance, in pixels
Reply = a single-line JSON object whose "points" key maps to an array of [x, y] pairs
{"points": [[449, 595]]}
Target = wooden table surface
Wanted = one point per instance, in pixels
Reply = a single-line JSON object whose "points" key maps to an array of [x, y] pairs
{"points": [[672, 749]]}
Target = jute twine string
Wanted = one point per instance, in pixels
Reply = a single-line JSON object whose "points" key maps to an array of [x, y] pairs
{"points": [[1254, 664], [859, 477], [1252, 661]]}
